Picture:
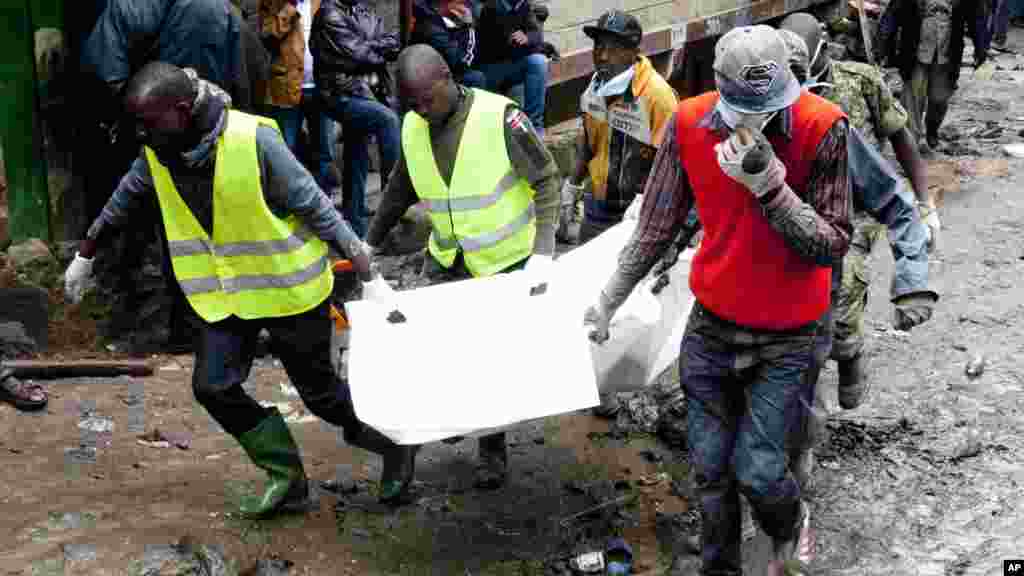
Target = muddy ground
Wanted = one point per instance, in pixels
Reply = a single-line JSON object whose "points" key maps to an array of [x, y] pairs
{"points": [[924, 479]]}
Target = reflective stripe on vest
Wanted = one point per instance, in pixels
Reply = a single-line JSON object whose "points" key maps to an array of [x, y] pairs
{"points": [[487, 211], [256, 265]]}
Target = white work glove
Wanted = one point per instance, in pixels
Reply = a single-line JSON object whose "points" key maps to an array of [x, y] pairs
{"points": [[731, 153], [633, 212], [78, 278], [378, 290], [361, 255], [599, 316], [930, 217]]}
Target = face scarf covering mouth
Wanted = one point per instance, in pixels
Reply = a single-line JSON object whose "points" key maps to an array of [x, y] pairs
{"points": [[612, 87], [734, 119]]}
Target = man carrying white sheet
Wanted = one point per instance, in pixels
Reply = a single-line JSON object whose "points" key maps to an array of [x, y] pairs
{"points": [[489, 185]]}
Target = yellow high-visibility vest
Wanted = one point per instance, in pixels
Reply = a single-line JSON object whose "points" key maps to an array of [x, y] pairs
{"points": [[487, 211], [256, 265]]}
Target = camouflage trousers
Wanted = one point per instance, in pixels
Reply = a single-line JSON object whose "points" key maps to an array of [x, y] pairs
{"points": [[848, 310]]}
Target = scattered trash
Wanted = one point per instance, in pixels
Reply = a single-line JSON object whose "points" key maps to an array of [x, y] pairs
{"points": [[1015, 150], [274, 566], [539, 289], [340, 486], [79, 552], [588, 563], [97, 424], [186, 558], [653, 479], [960, 347], [976, 367], [651, 456], [160, 439], [216, 456], [396, 317], [361, 533]]}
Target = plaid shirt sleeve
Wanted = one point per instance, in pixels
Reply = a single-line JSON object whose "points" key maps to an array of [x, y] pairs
{"points": [[817, 227], [667, 200]]}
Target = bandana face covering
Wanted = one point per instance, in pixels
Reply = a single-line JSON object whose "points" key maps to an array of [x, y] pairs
{"points": [[614, 86], [734, 119]]}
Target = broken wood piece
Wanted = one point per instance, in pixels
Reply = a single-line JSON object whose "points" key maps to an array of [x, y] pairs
{"points": [[620, 500], [54, 369]]}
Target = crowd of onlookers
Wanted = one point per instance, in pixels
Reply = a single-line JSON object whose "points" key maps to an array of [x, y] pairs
{"points": [[329, 64], [316, 66]]}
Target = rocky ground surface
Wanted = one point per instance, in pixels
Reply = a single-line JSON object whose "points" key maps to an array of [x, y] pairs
{"points": [[130, 476]]}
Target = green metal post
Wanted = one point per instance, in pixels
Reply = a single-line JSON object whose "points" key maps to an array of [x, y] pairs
{"points": [[20, 129]]}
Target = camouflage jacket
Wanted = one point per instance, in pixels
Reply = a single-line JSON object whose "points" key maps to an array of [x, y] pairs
{"points": [[860, 90]]}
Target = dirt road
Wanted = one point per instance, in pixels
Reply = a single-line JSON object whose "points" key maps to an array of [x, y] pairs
{"points": [[925, 479]]}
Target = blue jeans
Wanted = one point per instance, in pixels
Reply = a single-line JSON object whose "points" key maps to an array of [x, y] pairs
{"points": [[321, 130], [743, 390], [532, 71], [474, 79], [360, 118]]}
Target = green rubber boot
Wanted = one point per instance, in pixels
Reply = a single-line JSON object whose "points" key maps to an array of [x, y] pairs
{"points": [[399, 464], [271, 447]]}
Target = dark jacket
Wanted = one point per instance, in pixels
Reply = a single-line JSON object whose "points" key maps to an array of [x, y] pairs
{"points": [[456, 43], [199, 34], [903, 17], [350, 44], [498, 20]]}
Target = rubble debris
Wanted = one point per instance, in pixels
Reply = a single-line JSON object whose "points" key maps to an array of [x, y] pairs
{"points": [[97, 424], [273, 566], [658, 410], [342, 486], [14, 341], [79, 552], [185, 558], [566, 521], [29, 305], [976, 367], [539, 289], [158, 439], [396, 317], [651, 456]]}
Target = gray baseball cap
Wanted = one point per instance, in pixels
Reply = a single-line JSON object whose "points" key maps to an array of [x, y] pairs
{"points": [[752, 70]]}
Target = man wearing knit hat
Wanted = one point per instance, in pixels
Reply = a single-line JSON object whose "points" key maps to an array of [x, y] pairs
{"points": [[765, 165]]}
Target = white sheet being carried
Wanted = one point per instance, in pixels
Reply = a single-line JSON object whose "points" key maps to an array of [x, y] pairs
{"points": [[482, 354], [647, 329], [471, 355]]}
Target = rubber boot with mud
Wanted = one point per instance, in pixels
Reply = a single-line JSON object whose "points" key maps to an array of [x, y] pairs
{"points": [[853, 383], [271, 446], [399, 464], [492, 468]]}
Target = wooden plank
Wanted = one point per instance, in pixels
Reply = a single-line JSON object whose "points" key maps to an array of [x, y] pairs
{"points": [[580, 63], [49, 369]]}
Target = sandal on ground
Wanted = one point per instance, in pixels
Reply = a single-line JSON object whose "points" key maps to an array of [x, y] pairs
{"points": [[21, 395]]}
